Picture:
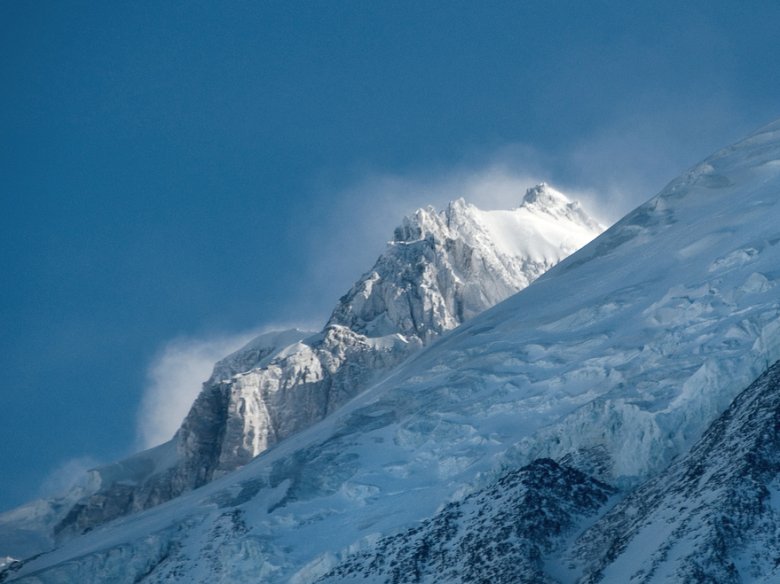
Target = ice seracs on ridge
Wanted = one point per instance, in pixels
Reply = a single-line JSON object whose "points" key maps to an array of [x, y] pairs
{"points": [[712, 516], [546, 198]]}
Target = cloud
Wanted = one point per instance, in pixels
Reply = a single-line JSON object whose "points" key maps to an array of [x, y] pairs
{"points": [[610, 169], [66, 476], [352, 232], [174, 380], [359, 219], [632, 156], [177, 372]]}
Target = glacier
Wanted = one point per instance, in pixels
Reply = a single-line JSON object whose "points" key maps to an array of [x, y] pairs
{"points": [[613, 363]]}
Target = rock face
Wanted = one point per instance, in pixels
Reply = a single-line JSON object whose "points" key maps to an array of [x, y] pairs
{"points": [[500, 533], [161, 473], [440, 269], [712, 516]]}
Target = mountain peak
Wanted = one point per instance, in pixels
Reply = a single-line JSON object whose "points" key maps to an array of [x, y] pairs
{"points": [[442, 251], [543, 194], [543, 200]]}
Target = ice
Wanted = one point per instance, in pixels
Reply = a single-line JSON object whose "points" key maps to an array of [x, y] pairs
{"points": [[709, 517]]}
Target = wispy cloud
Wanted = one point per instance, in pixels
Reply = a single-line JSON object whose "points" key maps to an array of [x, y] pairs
{"points": [[174, 380], [633, 155], [66, 476], [176, 374], [359, 220], [348, 240], [610, 170]]}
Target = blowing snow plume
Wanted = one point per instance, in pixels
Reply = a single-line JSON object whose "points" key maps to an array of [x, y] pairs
{"points": [[175, 378]]}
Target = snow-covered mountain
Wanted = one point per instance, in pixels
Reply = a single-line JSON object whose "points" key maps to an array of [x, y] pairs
{"points": [[613, 364], [440, 269]]}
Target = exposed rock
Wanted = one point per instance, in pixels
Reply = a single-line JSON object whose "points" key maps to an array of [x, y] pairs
{"points": [[498, 534], [713, 516]]}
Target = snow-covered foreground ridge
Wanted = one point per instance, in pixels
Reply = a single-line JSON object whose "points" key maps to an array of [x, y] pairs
{"points": [[440, 269], [615, 361], [712, 516]]}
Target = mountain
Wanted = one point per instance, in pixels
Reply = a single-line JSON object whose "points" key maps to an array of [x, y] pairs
{"points": [[440, 269], [613, 364]]}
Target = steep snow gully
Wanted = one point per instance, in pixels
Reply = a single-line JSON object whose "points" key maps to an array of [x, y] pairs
{"points": [[622, 410]]}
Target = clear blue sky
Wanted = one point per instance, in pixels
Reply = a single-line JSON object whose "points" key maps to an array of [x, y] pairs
{"points": [[174, 169]]}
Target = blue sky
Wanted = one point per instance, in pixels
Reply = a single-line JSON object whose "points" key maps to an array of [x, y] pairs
{"points": [[176, 174]]}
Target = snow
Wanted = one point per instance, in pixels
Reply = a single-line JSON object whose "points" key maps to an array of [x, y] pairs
{"points": [[539, 229], [629, 347], [710, 516], [257, 352]]}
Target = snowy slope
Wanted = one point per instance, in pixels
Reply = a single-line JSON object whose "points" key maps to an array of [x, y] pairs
{"points": [[621, 355], [617, 359], [499, 533], [440, 269], [713, 516]]}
